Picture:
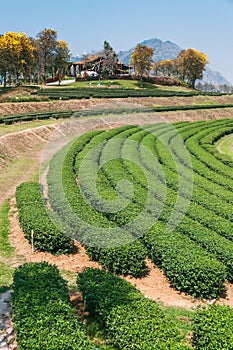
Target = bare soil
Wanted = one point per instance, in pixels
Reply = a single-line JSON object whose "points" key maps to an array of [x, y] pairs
{"points": [[29, 143]]}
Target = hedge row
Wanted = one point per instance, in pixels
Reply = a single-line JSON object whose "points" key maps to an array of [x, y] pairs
{"points": [[208, 159], [131, 321], [220, 247], [212, 328], [210, 240], [198, 228], [76, 93], [189, 267], [42, 314], [193, 278], [33, 215], [204, 177], [13, 118], [127, 259], [199, 231], [207, 206], [209, 144]]}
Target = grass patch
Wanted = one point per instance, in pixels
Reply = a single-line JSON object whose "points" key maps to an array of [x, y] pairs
{"points": [[8, 129], [6, 276], [96, 332], [6, 249], [123, 84], [225, 145], [182, 317], [14, 170]]}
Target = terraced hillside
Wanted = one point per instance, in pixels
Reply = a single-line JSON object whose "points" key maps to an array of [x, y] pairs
{"points": [[139, 190]]}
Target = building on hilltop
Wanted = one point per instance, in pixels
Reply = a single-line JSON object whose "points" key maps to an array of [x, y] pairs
{"points": [[93, 67]]}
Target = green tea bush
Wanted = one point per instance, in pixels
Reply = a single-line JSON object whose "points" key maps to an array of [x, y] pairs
{"points": [[122, 259], [212, 328], [33, 215], [131, 321], [42, 314], [188, 267], [142, 325]]}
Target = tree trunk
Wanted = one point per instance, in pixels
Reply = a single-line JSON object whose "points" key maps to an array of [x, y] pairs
{"points": [[4, 79]]}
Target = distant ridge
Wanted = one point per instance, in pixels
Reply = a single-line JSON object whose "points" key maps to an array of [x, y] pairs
{"points": [[167, 50]]}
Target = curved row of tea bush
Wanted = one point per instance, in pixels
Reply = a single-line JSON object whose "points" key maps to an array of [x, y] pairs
{"points": [[204, 286], [195, 225], [210, 240], [197, 229], [202, 176], [42, 314], [190, 251], [127, 259], [130, 320], [34, 216]]}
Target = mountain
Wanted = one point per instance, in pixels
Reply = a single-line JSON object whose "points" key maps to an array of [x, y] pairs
{"points": [[169, 51], [214, 78], [162, 50]]}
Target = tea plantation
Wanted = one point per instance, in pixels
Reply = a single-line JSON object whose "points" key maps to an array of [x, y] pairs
{"points": [[162, 191]]}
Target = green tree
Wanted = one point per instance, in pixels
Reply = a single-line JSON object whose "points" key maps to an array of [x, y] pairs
{"points": [[110, 59], [46, 45], [62, 58], [142, 59]]}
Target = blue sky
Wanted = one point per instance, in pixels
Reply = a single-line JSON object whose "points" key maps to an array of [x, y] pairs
{"points": [[206, 25]]}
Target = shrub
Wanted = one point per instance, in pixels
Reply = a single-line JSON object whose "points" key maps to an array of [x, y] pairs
{"points": [[33, 215], [212, 328], [43, 317], [189, 268], [131, 321]]}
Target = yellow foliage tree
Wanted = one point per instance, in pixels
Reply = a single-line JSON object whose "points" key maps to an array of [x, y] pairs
{"points": [[164, 68], [142, 59], [16, 54], [191, 64]]}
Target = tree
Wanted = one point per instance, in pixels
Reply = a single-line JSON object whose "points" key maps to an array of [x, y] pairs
{"points": [[165, 68], [142, 59], [191, 64], [62, 57], [110, 59], [16, 54], [46, 45]]}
